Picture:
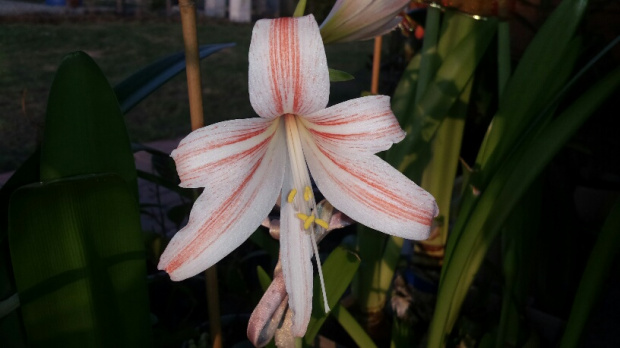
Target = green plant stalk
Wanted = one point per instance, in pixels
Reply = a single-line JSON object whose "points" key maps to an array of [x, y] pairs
{"points": [[592, 283], [503, 56], [438, 176], [300, 8], [496, 202], [429, 63], [352, 327]]}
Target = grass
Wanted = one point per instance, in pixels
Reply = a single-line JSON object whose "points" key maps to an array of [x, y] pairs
{"points": [[31, 53]]}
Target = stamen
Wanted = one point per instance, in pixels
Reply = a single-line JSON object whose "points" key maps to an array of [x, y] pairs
{"points": [[321, 223], [318, 264], [307, 193], [291, 195], [308, 222], [303, 217]]}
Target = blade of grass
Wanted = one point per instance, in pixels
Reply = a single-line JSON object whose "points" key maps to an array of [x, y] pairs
{"points": [[145, 81]]}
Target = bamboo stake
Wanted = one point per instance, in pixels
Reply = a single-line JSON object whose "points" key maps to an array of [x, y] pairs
{"points": [[194, 89], [376, 66]]}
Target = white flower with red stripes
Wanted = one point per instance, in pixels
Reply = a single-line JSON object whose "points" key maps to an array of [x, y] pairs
{"points": [[244, 165]]}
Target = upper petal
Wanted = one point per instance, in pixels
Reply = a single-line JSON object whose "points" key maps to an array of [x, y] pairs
{"points": [[225, 215], [288, 68], [370, 191], [364, 124], [220, 154]]}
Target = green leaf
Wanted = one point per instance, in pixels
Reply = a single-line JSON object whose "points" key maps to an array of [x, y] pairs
{"points": [[339, 76], [352, 327], [495, 204], [527, 89], [79, 263], [145, 81], [300, 9], [263, 278], [422, 120], [594, 278], [84, 128], [338, 271]]}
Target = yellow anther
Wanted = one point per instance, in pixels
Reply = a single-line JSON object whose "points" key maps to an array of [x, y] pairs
{"points": [[291, 195], [307, 193], [321, 223], [303, 217], [308, 222]]}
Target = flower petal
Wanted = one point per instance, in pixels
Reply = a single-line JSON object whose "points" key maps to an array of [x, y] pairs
{"points": [[219, 155], [369, 190], [267, 315], [364, 124], [224, 216], [288, 68], [295, 255]]}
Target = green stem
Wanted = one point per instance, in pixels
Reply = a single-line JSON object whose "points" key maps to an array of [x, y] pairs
{"points": [[503, 55], [428, 65]]}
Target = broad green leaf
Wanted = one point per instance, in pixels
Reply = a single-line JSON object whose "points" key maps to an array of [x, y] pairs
{"points": [[84, 128], [79, 263], [338, 271], [504, 190], [339, 76], [27, 173], [145, 81], [594, 277]]}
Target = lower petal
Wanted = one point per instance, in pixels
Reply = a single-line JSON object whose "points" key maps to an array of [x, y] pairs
{"points": [[295, 255], [224, 217], [370, 191]]}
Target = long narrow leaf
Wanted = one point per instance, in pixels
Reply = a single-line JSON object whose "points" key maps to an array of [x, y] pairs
{"points": [[338, 271], [145, 81], [503, 192]]}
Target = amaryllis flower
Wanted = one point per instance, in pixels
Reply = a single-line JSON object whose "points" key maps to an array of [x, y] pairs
{"points": [[244, 165], [351, 20]]}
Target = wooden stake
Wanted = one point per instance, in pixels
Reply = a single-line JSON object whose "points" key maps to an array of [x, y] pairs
{"points": [[194, 89], [376, 66]]}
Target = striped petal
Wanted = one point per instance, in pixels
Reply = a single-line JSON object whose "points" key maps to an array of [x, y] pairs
{"points": [[364, 124], [225, 215], [369, 190], [295, 255], [288, 68], [220, 155]]}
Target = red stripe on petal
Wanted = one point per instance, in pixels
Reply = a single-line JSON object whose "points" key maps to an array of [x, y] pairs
{"points": [[387, 201], [217, 224]]}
